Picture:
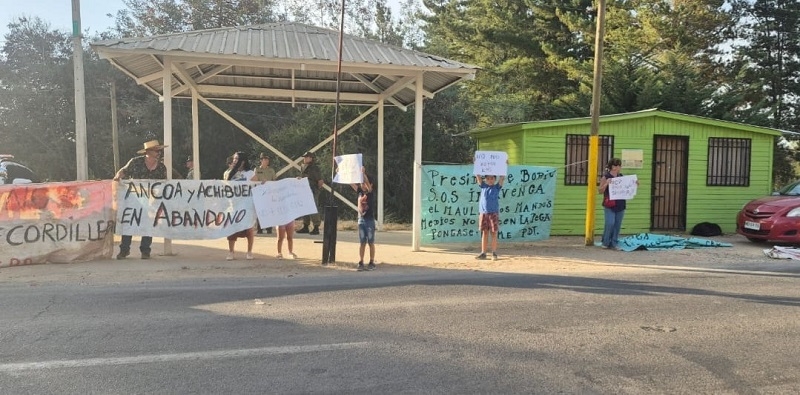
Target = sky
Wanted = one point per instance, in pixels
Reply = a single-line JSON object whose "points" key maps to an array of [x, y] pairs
{"points": [[59, 13]]}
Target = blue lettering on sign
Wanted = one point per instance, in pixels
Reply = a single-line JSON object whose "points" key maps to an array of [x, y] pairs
{"points": [[450, 205]]}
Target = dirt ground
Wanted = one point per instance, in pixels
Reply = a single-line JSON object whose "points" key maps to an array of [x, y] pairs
{"points": [[559, 254]]}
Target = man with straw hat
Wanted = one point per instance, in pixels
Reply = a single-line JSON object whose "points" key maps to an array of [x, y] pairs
{"points": [[144, 167]]}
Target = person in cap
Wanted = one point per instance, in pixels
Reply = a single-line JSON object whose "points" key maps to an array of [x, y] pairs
{"points": [[264, 173], [190, 167], [310, 170], [144, 167]]}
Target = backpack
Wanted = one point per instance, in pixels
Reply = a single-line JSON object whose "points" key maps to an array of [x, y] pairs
{"points": [[706, 229]]}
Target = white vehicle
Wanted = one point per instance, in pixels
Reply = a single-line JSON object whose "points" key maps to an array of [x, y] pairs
{"points": [[12, 172]]}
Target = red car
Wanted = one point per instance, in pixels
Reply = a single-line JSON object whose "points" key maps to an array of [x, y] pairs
{"points": [[772, 218]]}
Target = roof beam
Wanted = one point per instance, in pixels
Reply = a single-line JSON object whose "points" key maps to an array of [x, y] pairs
{"points": [[129, 74], [210, 90], [201, 78], [410, 85], [377, 89]]}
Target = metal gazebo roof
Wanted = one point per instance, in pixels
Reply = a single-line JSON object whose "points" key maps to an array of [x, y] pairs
{"points": [[283, 62], [287, 63]]}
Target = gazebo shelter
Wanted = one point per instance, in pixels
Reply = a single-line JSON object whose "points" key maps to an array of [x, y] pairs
{"points": [[286, 63]]}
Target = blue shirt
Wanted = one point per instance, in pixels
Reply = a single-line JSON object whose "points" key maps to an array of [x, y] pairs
{"points": [[490, 198]]}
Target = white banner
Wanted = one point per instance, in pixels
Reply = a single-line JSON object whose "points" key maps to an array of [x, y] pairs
{"points": [[184, 209], [348, 169], [55, 222], [280, 202], [623, 188]]}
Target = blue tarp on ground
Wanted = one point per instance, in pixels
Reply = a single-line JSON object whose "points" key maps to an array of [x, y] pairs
{"points": [[655, 242]]}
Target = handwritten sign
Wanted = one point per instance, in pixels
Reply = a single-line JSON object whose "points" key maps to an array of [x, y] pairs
{"points": [[450, 199], [490, 163], [184, 209], [280, 202], [348, 169], [55, 222], [623, 187]]}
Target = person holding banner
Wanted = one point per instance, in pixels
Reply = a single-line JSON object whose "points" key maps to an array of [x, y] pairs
{"points": [[264, 173], [366, 220], [145, 167], [286, 232], [240, 171], [614, 210], [489, 209]]}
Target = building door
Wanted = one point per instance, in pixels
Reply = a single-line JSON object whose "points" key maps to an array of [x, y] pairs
{"points": [[668, 197]]}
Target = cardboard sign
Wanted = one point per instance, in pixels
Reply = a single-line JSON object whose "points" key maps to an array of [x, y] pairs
{"points": [[623, 188], [493, 163], [348, 169], [280, 202]]}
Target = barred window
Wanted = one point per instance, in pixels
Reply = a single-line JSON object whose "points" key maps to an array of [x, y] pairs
{"points": [[728, 162], [577, 158]]}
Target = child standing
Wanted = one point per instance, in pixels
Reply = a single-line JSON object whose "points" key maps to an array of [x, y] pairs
{"points": [[366, 220], [489, 208]]}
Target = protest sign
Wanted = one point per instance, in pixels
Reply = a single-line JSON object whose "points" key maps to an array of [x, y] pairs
{"points": [[55, 222], [348, 169], [490, 163], [280, 202], [184, 209], [450, 199], [622, 188]]}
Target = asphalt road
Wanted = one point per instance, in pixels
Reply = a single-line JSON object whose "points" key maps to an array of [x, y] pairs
{"points": [[407, 331]]}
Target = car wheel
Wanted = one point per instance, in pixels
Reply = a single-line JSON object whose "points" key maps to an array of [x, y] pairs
{"points": [[754, 240]]}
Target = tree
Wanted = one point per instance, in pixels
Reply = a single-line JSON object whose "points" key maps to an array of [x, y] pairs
{"points": [[153, 17], [518, 44], [36, 98]]}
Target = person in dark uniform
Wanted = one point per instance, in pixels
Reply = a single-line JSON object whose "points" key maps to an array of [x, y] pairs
{"points": [[310, 170]]}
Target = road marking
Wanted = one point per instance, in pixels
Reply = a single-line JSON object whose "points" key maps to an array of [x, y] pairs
{"points": [[193, 356]]}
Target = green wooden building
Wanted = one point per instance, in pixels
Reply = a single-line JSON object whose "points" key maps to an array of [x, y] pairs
{"points": [[690, 169]]}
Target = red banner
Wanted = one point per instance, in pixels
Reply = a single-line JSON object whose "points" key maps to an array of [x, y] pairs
{"points": [[56, 222]]}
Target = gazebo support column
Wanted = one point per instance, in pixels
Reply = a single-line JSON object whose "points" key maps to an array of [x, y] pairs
{"points": [[417, 194], [380, 164], [167, 103]]}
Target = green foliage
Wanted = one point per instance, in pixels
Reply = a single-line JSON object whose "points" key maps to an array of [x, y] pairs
{"points": [[726, 59], [36, 98]]}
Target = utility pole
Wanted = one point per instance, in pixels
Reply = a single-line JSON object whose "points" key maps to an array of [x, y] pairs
{"points": [[591, 190], [114, 125], [81, 152]]}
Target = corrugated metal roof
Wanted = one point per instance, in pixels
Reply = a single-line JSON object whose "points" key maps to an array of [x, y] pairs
{"points": [[652, 112], [282, 62]]}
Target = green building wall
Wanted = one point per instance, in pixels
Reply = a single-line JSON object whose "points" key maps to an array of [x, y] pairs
{"points": [[543, 143]]}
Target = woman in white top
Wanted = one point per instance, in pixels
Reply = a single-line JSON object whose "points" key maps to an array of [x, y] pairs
{"points": [[240, 170]]}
